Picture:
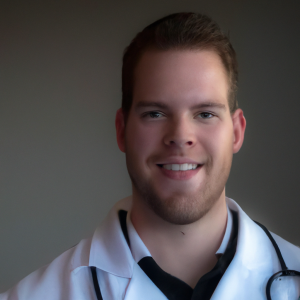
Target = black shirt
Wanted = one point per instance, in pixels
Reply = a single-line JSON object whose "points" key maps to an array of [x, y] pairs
{"points": [[174, 288]]}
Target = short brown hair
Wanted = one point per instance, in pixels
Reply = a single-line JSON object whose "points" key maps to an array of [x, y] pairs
{"points": [[180, 31]]}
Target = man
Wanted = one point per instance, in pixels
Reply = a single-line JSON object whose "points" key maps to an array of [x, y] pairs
{"points": [[177, 236]]}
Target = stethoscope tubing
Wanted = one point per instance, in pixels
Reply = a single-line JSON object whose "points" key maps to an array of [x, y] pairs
{"points": [[96, 283], [284, 269]]}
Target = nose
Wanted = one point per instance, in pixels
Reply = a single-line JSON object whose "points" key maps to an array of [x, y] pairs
{"points": [[180, 135]]}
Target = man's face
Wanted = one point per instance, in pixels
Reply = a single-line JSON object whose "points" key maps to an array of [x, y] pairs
{"points": [[179, 118]]}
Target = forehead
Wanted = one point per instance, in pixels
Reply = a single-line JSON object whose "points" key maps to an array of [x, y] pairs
{"points": [[180, 77]]}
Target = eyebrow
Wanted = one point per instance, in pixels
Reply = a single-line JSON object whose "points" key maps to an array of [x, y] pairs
{"points": [[143, 104]]}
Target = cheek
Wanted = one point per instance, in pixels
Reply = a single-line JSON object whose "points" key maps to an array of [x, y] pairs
{"points": [[218, 142], [140, 140]]}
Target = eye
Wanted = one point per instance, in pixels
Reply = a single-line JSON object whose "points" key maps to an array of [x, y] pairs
{"points": [[152, 114], [205, 115]]}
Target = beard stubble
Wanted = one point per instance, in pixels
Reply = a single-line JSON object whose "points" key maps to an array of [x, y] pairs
{"points": [[182, 208]]}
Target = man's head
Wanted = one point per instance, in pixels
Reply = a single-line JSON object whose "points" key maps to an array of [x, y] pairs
{"points": [[181, 31], [180, 116]]}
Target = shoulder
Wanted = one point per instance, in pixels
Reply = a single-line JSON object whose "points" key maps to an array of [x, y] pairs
{"points": [[55, 277], [290, 252], [255, 238]]}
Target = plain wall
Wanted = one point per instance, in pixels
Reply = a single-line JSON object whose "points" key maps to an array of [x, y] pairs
{"points": [[60, 86]]}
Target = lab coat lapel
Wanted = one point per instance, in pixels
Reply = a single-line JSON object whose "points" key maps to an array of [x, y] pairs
{"points": [[109, 249], [110, 253], [141, 287], [255, 261]]}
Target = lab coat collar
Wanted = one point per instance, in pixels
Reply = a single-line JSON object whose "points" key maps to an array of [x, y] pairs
{"points": [[109, 249], [255, 261]]}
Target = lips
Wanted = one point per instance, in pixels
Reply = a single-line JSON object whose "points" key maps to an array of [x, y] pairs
{"points": [[179, 175], [179, 167]]}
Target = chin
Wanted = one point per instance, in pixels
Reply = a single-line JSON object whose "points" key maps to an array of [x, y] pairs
{"points": [[182, 210], [179, 207]]}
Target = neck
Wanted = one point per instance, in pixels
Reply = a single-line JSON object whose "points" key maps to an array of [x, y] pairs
{"points": [[185, 251]]}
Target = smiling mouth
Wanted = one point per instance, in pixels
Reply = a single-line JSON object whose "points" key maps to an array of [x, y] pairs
{"points": [[180, 167]]}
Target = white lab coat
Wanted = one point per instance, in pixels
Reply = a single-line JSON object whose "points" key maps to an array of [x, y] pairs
{"points": [[68, 276]]}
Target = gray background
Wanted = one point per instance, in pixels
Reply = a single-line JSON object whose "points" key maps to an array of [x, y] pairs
{"points": [[60, 68]]}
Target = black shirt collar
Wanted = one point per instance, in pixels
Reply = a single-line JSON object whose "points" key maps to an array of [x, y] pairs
{"points": [[173, 287]]}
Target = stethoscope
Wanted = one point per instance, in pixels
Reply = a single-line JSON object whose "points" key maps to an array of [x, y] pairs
{"points": [[96, 283], [284, 269]]}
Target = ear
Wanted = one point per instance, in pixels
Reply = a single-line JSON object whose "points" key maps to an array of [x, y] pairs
{"points": [[239, 126], [120, 128]]}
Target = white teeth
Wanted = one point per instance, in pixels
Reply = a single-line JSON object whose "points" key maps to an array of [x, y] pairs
{"points": [[181, 167]]}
